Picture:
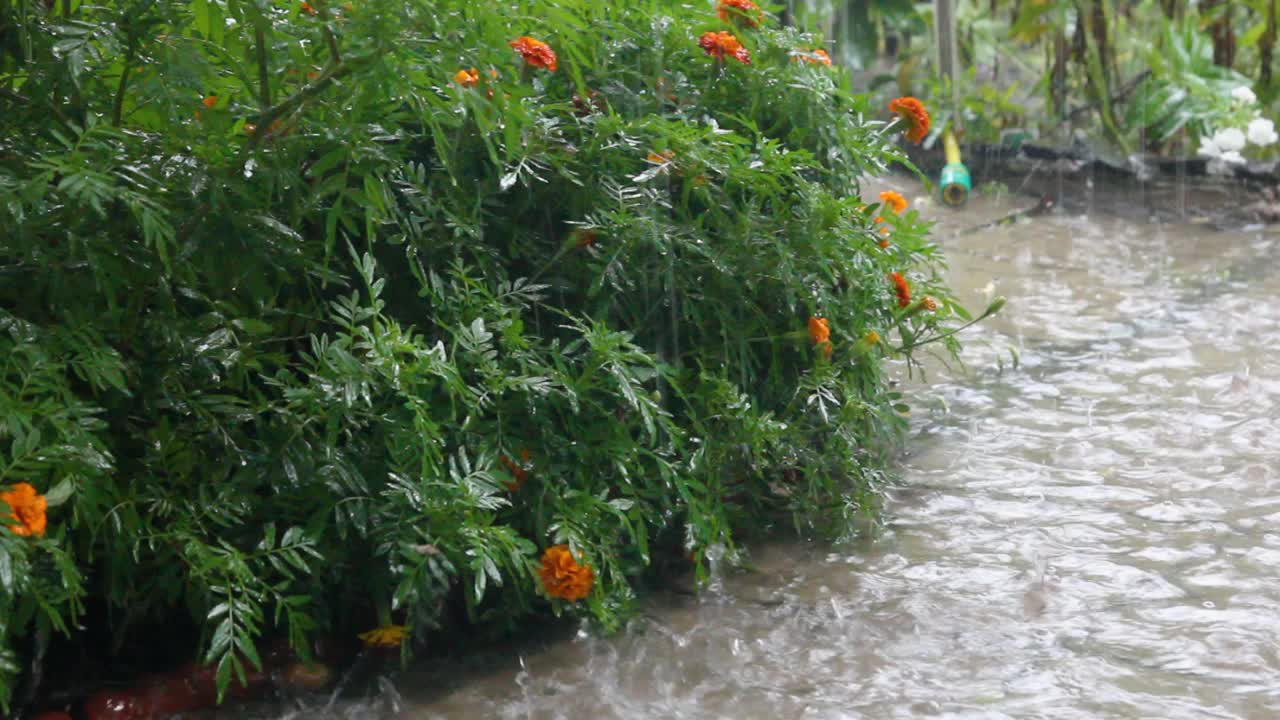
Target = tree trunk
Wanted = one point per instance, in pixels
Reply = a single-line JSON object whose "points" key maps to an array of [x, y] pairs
{"points": [[1102, 40], [1224, 36], [1093, 45], [1266, 50], [1058, 77]]}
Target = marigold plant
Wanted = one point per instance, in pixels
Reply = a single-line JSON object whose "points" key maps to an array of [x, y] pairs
{"points": [[519, 470], [901, 288], [743, 12], [894, 200], [26, 509], [818, 56], [277, 372], [914, 116], [536, 53], [819, 329], [720, 45], [563, 577], [387, 636]]}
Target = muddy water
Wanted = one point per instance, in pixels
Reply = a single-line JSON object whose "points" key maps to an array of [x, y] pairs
{"points": [[1092, 532]]}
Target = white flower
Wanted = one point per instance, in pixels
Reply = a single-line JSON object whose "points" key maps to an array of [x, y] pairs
{"points": [[1231, 157], [1244, 96], [1209, 149], [1262, 132], [1229, 139]]}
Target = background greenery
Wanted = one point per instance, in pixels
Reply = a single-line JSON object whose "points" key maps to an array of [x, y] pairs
{"points": [[1119, 75], [279, 296]]}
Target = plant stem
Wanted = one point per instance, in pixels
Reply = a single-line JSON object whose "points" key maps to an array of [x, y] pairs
{"points": [[298, 99], [264, 72], [330, 41], [117, 106], [913, 345]]}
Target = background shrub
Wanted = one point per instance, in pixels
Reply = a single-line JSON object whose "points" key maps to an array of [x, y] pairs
{"points": [[300, 331]]}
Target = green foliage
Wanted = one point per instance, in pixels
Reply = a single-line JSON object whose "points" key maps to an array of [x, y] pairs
{"points": [[859, 29], [285, 307], [1185, 89], [1151, 75]]}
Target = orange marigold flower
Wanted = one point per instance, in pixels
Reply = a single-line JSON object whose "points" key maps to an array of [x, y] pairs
{"points": [[210, 101], [914, 114], [894, 200], [384, 637], [929, 304], [744, 11], [883, 230], [272, 129], [902, 288], [562, 576], [720, 44], [535, 52], [519, 471], [585, 237], [871, 338], [27, 508], [819, 330], [813, 57], [884, 243], [467, 78], [309, 9]]}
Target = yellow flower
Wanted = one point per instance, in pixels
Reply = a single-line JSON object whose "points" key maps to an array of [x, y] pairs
{"points": [[467, 78], [384, 637], [868, 342]]}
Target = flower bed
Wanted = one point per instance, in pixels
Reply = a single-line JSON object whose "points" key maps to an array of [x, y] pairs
{"points": [[369, 318]]}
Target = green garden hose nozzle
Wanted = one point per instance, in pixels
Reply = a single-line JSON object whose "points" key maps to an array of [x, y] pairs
{"points": [[954, 181]]}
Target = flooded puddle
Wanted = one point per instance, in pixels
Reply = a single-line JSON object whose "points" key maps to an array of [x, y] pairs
{"points": [[1092, 533]]}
